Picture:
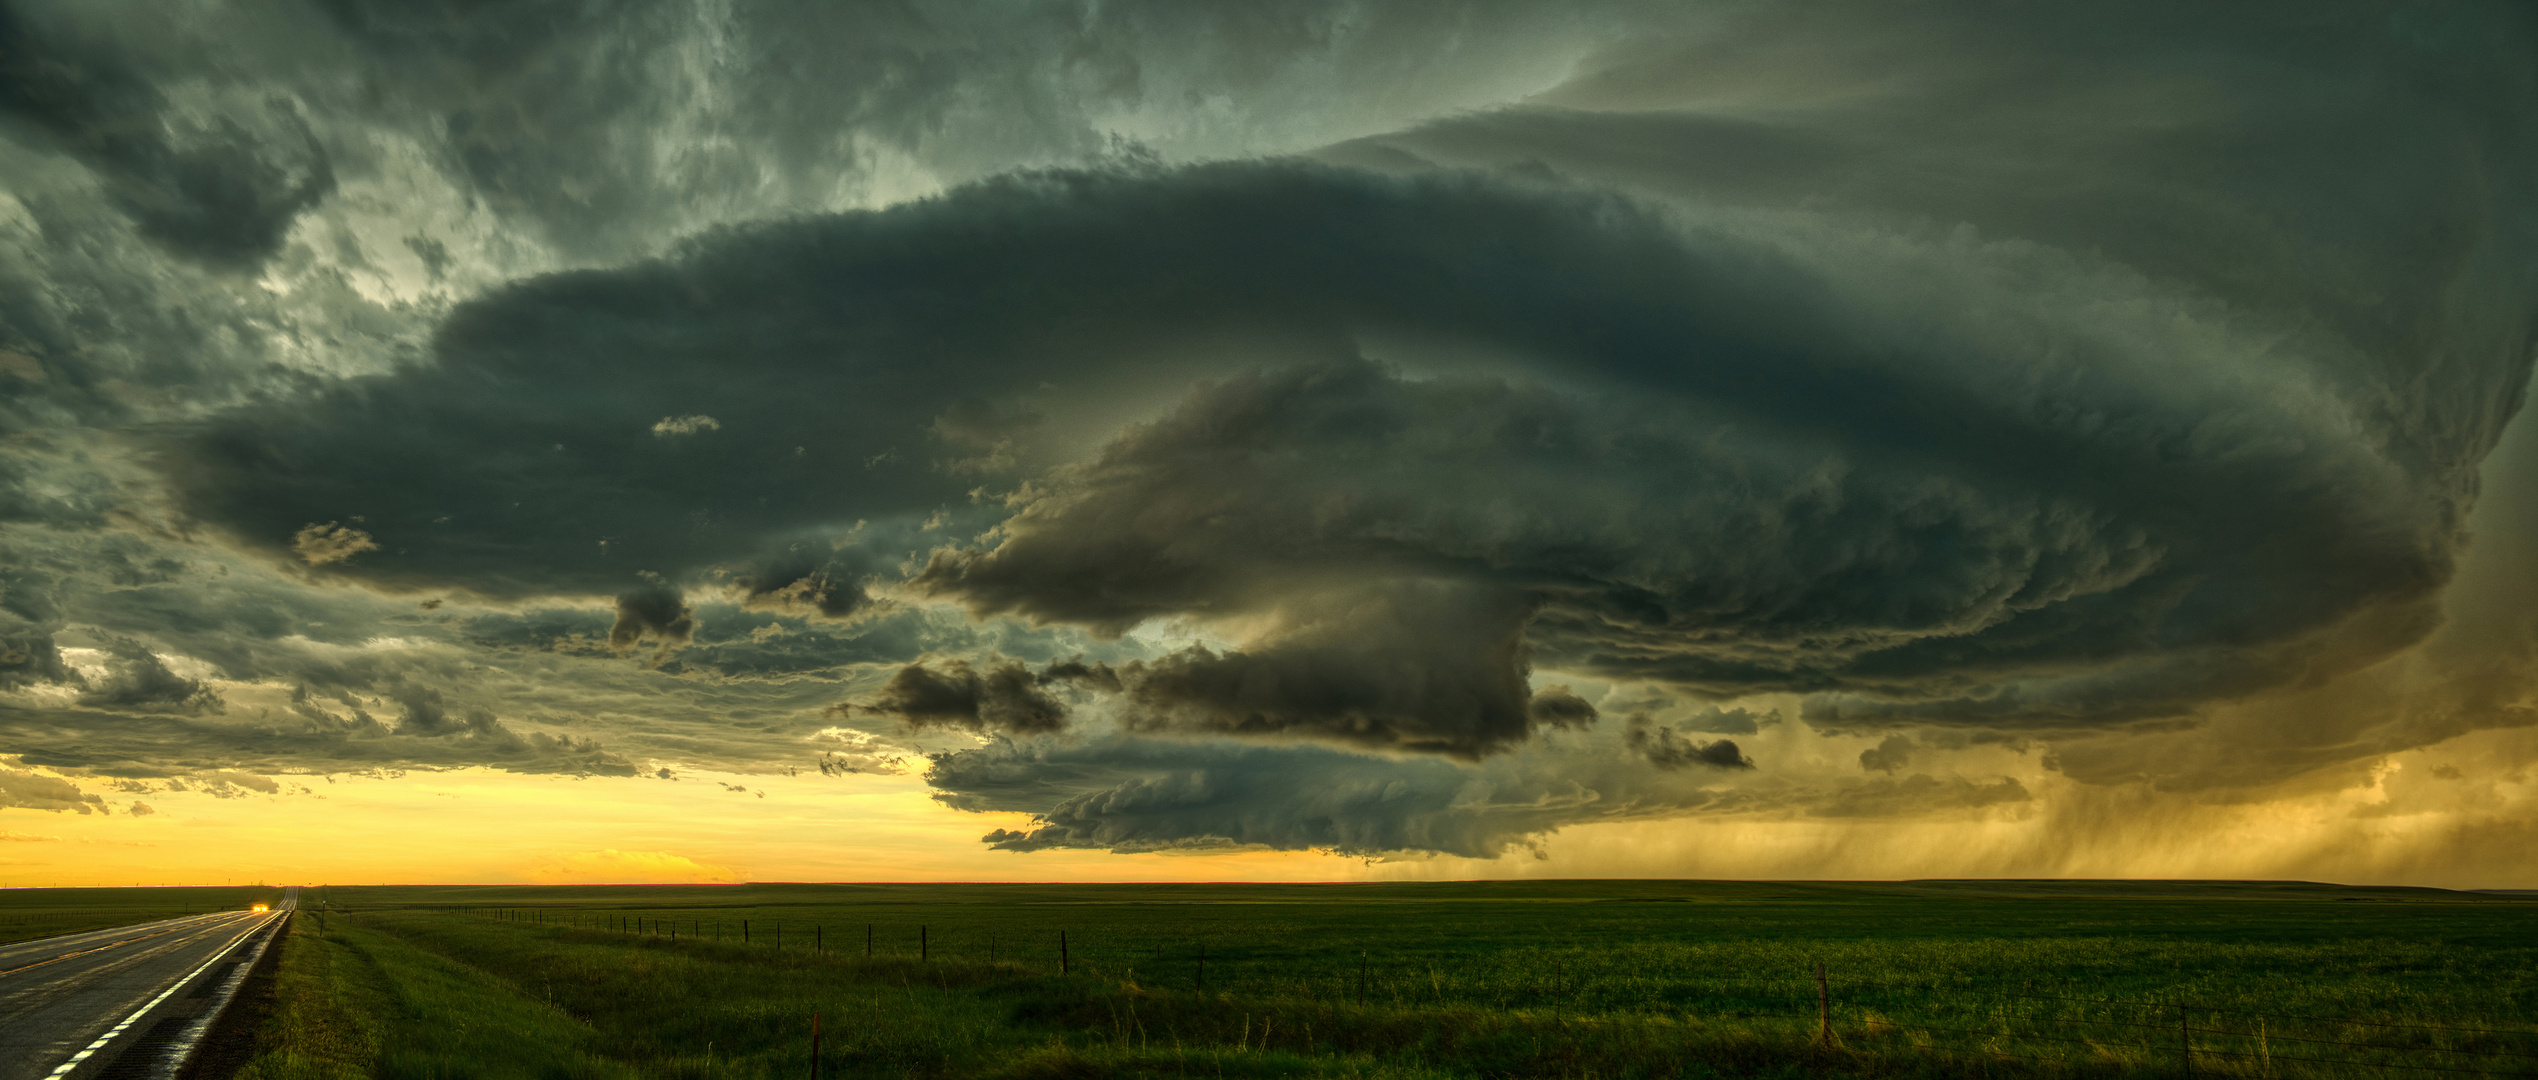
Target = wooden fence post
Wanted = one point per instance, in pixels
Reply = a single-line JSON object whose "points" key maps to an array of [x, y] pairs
{"points": [[2185, 1042], [1823, 1008], [921, 941], [1061, 952], [815, 1046]]}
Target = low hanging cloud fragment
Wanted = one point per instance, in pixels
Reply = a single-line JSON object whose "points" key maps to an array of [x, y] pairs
{"points": [[671, 427], [1560, 707], [138, 679], [1416, 667], [658, 614], [32, 658], [831, 588], [1157, 795], [36, 791], [1718, 721], [1667, 750], [1005, 697], [423, 711], [1888, 756], [225, 784], [861, 754], [1420, 669], [331, 542]]}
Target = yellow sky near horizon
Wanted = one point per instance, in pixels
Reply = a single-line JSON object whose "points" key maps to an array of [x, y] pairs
{"points": [[2453, 815]]}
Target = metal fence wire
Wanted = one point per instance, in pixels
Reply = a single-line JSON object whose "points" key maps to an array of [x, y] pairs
{"points": [[2176, 1037], [2184, 1036]]}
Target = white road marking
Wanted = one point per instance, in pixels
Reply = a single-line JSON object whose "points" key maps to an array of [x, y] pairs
{"points": [[109, 945], [172, 1060], [171, 990]]}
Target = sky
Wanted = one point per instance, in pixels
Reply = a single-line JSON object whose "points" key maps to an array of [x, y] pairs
{"points": [[528, 441]]}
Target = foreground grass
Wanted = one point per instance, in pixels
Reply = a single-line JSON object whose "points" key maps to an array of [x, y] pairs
{"points": [[435, 996], [328, 1005], [26, 914], [350, 1001], [1561, 979]]}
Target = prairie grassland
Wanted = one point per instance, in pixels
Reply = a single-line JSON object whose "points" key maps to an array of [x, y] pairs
{"points": [[1575, 979], [37, 913], [358, 1003]]}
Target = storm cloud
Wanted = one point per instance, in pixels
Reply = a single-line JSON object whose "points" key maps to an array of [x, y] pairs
{"points": [[1005, 697], [1667, 750], [1310, 429], [218, 179], [1139, 795], [139, 679], [1745, 487], [1129, 793]]}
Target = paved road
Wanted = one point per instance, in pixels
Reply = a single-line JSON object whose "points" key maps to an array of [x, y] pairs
{"points": [[105, 1004]]}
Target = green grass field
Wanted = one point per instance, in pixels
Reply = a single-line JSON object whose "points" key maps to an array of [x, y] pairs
{"points": [[38, 913], [1540, 979]]}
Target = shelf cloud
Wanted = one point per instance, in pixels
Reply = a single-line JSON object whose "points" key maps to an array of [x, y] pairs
{"points": [[1830, 411]]}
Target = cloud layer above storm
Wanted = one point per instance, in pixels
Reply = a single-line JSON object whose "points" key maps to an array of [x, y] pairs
{"points": [[1287, 430]]}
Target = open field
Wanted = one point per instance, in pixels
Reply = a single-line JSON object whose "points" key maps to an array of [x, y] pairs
{"points": [[1611, 979], [38, 913]]}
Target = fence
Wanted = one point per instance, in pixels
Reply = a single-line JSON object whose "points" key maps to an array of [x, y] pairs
{"points": [[2056, 1024], [2180, 1036]]}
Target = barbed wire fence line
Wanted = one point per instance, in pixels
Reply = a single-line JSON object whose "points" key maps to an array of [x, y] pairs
{"points": [[2189, 1037], [1951, 1016]]}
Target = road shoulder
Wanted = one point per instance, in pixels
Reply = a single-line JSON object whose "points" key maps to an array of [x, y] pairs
{"points": [[231, 1040]]}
